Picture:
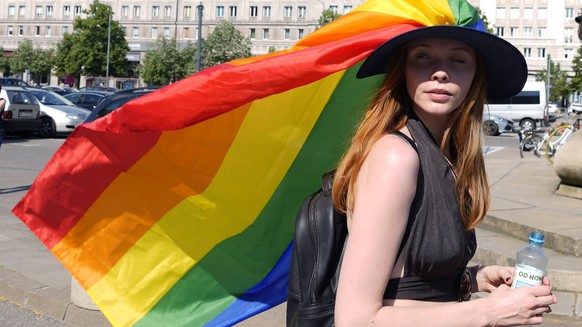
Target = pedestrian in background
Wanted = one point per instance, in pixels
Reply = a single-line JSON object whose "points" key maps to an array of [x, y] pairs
{"points": [[414, 187], [2, 107]]}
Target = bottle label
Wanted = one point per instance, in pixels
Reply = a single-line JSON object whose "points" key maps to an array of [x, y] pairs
{"points": [[527, 276]]}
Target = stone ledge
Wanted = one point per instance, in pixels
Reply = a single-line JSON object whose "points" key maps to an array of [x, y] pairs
{"points": [[570, 191]]}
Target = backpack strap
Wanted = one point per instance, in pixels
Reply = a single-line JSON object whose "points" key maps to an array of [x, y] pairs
{"points": [[407, 139]]}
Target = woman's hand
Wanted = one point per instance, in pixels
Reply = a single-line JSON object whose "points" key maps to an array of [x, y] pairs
{"points": [[489, 278], [520, 306]]}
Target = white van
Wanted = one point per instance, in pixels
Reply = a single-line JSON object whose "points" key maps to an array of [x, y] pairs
{"points": [[528, 107]]}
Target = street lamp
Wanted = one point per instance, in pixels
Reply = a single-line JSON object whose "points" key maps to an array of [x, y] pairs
{"points": [[200, 7]]}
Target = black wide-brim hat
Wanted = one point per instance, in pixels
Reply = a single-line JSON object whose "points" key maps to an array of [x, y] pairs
{"points": [[505, 66]]}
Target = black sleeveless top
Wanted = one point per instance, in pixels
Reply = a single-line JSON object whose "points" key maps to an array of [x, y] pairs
{"points": [[437, 248]]}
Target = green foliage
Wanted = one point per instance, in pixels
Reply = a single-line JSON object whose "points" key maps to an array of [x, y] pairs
{"points": [[164, 63], [486, 23], [576, 81], [560, 89], [38, 61], [85, 50], [224, 44], [328, 16], [272, 49]]}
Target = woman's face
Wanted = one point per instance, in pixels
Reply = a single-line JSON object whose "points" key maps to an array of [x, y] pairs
{"points": [[439, 73]]}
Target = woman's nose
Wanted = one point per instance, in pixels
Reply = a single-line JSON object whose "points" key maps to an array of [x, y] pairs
{"points": [[440, 76]]}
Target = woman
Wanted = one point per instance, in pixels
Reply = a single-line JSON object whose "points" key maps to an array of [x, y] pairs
{"points": [[412, 210]]}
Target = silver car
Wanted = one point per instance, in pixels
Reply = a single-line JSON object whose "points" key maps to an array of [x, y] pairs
{"points": [[58, 114], [494, 125]]}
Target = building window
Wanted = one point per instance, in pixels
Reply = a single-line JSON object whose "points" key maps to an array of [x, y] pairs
{"points": [[514, 13], [287, 11], [300, 33], [542, 32], [528, 13], [301, 11], [569, 13], [542, 13], [124, 11], [78, 10], [11, 10], [168, 11], [527, 52], [265, 33], [527, 32], [49, 10], [254, 11], [20, 30], [166, 31], [568, 53], [347, 9], [333, 9], [186, 32], [187, 11], [219, 11], [252, 33], [266, 11], [541, 52], [38, 10], [36, 30], [67, 11], [156, 11], [154, 32], [48, 31], [232, 11], [136, 11], [568, 35], [21, 10], [287, 34], [10, 30], [65, 29], [513, 31], [500, 13], [135, 32], [500, 31]]}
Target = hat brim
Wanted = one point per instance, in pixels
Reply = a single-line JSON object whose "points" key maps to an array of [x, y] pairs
{"points": [[504, 64]]}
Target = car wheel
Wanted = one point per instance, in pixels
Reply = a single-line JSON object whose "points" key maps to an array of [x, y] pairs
{"points": [[47, 128], [490, 128], [527, 123]]}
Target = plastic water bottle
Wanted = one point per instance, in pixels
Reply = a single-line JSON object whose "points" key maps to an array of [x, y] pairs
{"points": [[531, 263]]}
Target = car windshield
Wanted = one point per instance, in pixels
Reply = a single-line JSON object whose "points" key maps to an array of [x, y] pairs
{"points": [[51, 98]]}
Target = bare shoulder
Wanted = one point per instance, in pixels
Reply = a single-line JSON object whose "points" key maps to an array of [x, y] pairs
{"points": [[393, 150]]}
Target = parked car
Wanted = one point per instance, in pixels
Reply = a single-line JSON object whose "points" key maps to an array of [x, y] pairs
{"points": [[62, 90], [11, 81], [115, 101], [86, 99], [575, 109], [98, 88], [22, 112], [58, 114], [494, 125]]}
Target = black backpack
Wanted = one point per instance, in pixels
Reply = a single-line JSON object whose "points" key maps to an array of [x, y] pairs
{"points": [[320, 235]]}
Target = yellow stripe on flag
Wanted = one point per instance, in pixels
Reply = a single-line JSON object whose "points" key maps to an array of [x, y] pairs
{"points": [[270, 139]]}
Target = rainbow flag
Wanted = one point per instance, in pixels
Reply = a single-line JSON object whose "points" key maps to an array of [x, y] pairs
{"points": [[179, 208]]}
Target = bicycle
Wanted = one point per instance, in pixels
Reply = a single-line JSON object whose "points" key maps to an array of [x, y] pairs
{"points": [[559, 137], [531, 140]]}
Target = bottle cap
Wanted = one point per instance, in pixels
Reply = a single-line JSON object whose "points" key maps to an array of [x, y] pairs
{"points": [[536, 237]]}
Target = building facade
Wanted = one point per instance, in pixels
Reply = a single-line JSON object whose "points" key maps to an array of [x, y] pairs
{"points": [[537, 27]]}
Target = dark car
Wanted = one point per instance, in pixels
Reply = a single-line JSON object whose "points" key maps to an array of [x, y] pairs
{"points": [[62, 90], [10, 81], [88, 100], [98, 88], [116, 100]]}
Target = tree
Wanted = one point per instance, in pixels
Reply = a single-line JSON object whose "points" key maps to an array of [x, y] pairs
{"points": [[485, 21], [34, 59], [163, 64], [328, 16], [560, 89], [576, 81], [85, 50], [224, 44]]}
